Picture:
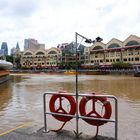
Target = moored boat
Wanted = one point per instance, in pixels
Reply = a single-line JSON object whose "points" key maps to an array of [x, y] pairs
{"points": [[4, 73], [4, 65], [71, 72]]}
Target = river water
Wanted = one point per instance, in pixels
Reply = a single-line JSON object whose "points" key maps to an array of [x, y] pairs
{"points": [[21, 100]]}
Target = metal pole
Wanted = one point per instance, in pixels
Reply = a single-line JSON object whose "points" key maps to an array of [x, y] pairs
{"points": [[76, 86], [45, 119], [76, 82], [116, 119]]}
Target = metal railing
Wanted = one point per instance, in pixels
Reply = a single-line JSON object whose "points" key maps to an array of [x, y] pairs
{"points": [[77, 116]]}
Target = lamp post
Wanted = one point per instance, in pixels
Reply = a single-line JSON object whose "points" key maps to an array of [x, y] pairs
{"points": [[98, 39]]}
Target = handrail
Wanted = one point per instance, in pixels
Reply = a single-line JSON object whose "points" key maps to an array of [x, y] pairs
{"points": [[115, 120]]}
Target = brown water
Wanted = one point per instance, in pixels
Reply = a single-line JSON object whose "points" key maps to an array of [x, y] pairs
{"points": [[21, 100]]}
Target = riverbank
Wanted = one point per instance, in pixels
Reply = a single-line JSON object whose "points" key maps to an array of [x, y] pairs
{"points": [[81, 71]]}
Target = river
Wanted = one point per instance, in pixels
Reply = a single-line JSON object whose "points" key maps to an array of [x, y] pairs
{"points": [[21, 99]]}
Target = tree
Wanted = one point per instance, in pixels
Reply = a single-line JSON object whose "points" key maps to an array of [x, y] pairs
{"points": [[121, 65], [9, 58]]}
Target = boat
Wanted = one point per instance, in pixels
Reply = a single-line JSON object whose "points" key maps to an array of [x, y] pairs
{"points": [[5, 65], [4, 70], [70, 72]]}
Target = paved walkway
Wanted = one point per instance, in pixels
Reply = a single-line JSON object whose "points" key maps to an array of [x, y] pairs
{"points": [[34, 133]]}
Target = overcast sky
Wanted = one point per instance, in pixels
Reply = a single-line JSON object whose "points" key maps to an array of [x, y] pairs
{"points": [[55, 21]]}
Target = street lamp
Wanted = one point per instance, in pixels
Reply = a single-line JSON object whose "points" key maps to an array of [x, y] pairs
{"points": [[98, 39]]}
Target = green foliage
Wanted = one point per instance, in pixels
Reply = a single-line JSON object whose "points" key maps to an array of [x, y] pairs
{"points": [[68, 65], [9, 58], [15, 61], [120, 65]]}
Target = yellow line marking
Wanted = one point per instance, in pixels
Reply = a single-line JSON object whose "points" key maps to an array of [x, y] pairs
{"points": [[11, 130]]}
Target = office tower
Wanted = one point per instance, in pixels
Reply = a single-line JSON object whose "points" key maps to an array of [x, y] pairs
{"points": [[4, 47], [32, 44]]}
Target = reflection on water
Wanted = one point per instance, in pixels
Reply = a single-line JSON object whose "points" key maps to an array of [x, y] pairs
{"points": [[5, 95], [21, 97]]}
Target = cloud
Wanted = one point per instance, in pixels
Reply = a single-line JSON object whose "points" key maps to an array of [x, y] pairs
{"points": [[21, 8], [53, 22]]}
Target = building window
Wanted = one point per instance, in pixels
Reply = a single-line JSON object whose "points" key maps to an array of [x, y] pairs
{"points": [[112, 54], [133, 42], [124, 59], [114, 45], [52, 52], [91, 61], [107, 55], [125, 53], [130, 52], [136, 52], [40, 53], [97, 48], [137, 59], [117, 53], [96, 55], [27, 53]]}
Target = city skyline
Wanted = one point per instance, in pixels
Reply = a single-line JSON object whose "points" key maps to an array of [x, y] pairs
{"points": [[55, 22], [33, 40]]}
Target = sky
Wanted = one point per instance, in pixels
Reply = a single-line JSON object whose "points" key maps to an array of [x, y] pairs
{"points": [[53, 22]]}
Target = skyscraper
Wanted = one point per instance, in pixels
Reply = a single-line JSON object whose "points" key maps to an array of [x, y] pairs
{"points": [[15, 50], [4, 47], [17, 46], [32, 44]]}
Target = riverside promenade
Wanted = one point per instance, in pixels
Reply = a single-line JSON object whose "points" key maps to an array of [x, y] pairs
{"points": [[31, 132], [82, 71]]}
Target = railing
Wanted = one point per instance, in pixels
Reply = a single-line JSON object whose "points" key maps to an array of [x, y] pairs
{"points": [[77, 116]]}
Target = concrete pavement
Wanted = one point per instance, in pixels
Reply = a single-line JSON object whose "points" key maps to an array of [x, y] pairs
{"points": [[36, 133]]}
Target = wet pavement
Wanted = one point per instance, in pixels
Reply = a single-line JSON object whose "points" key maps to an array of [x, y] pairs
{"points": [[36, 133]]}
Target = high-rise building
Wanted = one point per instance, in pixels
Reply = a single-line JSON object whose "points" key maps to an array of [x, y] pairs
{"points": [[2, 54], [4, 47], [17, 46], [32, 44], [13, 51]]}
